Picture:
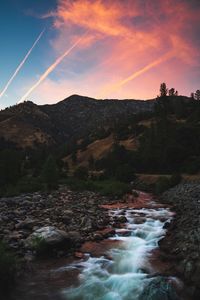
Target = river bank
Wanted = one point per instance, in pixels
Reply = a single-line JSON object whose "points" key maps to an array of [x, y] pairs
{"points": [[182, 241]]}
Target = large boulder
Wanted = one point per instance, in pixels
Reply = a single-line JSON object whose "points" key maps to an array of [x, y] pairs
{"points": [[49, 236], [159, 288]]}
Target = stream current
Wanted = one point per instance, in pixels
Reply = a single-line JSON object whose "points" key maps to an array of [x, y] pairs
{"points": [[126, 268]]}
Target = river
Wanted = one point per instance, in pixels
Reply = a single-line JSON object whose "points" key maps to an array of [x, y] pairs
{"points": [[120, 271]]}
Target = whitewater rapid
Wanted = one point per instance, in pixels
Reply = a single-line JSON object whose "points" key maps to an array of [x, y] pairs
{"points": [[124, 270]]}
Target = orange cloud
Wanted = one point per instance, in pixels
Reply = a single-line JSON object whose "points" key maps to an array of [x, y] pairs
{"points": [[151, 65], [125, 36]]}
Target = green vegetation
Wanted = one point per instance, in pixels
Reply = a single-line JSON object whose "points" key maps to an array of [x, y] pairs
{"points": [[104, 187]]}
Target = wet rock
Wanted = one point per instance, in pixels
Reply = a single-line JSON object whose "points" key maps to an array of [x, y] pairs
{"points": [[159, 288]]}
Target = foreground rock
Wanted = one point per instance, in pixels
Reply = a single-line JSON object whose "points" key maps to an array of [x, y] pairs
{"points": [[159, 288], [60, 217], [182, 241]]}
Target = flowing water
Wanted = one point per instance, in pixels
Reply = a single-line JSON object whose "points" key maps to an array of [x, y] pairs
{"points": [[124, 270]]}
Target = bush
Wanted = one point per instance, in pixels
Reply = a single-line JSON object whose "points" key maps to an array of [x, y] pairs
{"points": [[8, 268]]}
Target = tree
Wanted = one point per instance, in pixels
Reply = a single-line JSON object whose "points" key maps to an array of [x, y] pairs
{"points": [[50, 173], [163, 90], [171, 92], [125, 173], [81, 173], [10, 167], [192, 96], [197, 95]]}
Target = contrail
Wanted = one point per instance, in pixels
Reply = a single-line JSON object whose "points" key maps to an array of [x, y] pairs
{"points": [[50, 69], [21, 64], [119, 84]]}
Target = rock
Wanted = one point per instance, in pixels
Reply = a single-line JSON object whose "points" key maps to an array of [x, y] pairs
{"points": [[159, 288], [49, 234], [26, 224]]}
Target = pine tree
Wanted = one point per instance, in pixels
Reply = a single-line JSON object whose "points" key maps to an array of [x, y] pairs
{"points": [[197, 95], [163, 90]]}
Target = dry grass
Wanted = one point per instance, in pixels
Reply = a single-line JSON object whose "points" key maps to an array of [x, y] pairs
{"points": [[98, 150]]}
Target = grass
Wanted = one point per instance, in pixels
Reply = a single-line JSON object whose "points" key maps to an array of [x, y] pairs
{"points": [[104, 187]]}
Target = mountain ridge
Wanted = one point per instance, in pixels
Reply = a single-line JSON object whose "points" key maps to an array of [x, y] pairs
{"points": [[28, 124]]}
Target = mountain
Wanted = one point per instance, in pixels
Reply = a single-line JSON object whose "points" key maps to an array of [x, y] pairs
{"points": [[76, 117]]}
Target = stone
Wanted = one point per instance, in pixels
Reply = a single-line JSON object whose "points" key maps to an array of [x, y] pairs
{"points": [[26, 224], [159, 288], [50, 235]]}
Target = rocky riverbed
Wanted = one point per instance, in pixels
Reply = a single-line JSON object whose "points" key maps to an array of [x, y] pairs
{"points": [[182, 242], [62, 217]]}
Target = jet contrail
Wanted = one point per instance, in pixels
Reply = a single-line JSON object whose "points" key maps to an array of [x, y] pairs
{"points": [[21, 64], [50, 69], [119, 84]]}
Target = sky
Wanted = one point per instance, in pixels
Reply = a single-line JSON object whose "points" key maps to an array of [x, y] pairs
{"points": [[106, 49]]}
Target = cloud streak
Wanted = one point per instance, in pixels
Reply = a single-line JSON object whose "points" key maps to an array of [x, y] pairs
{"points": [[105, 92], [21, 64], [51, 68]]}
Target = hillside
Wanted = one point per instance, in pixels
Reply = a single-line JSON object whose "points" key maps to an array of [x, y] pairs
{"points": [[76, 117], [100, 139]]}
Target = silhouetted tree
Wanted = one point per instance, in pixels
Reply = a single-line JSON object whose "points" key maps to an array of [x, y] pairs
{"points": [[171, 92], [197, 95], [176, 93], [163, 90], [192, 95]]}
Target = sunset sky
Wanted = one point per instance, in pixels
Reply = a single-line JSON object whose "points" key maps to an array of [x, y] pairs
{"points": [[99, 48]]}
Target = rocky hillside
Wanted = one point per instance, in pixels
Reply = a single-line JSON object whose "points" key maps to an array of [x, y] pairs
{"points": [[28, 124]]}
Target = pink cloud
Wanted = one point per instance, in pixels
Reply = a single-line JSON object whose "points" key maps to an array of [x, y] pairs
{"points": [[123, 38]]}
